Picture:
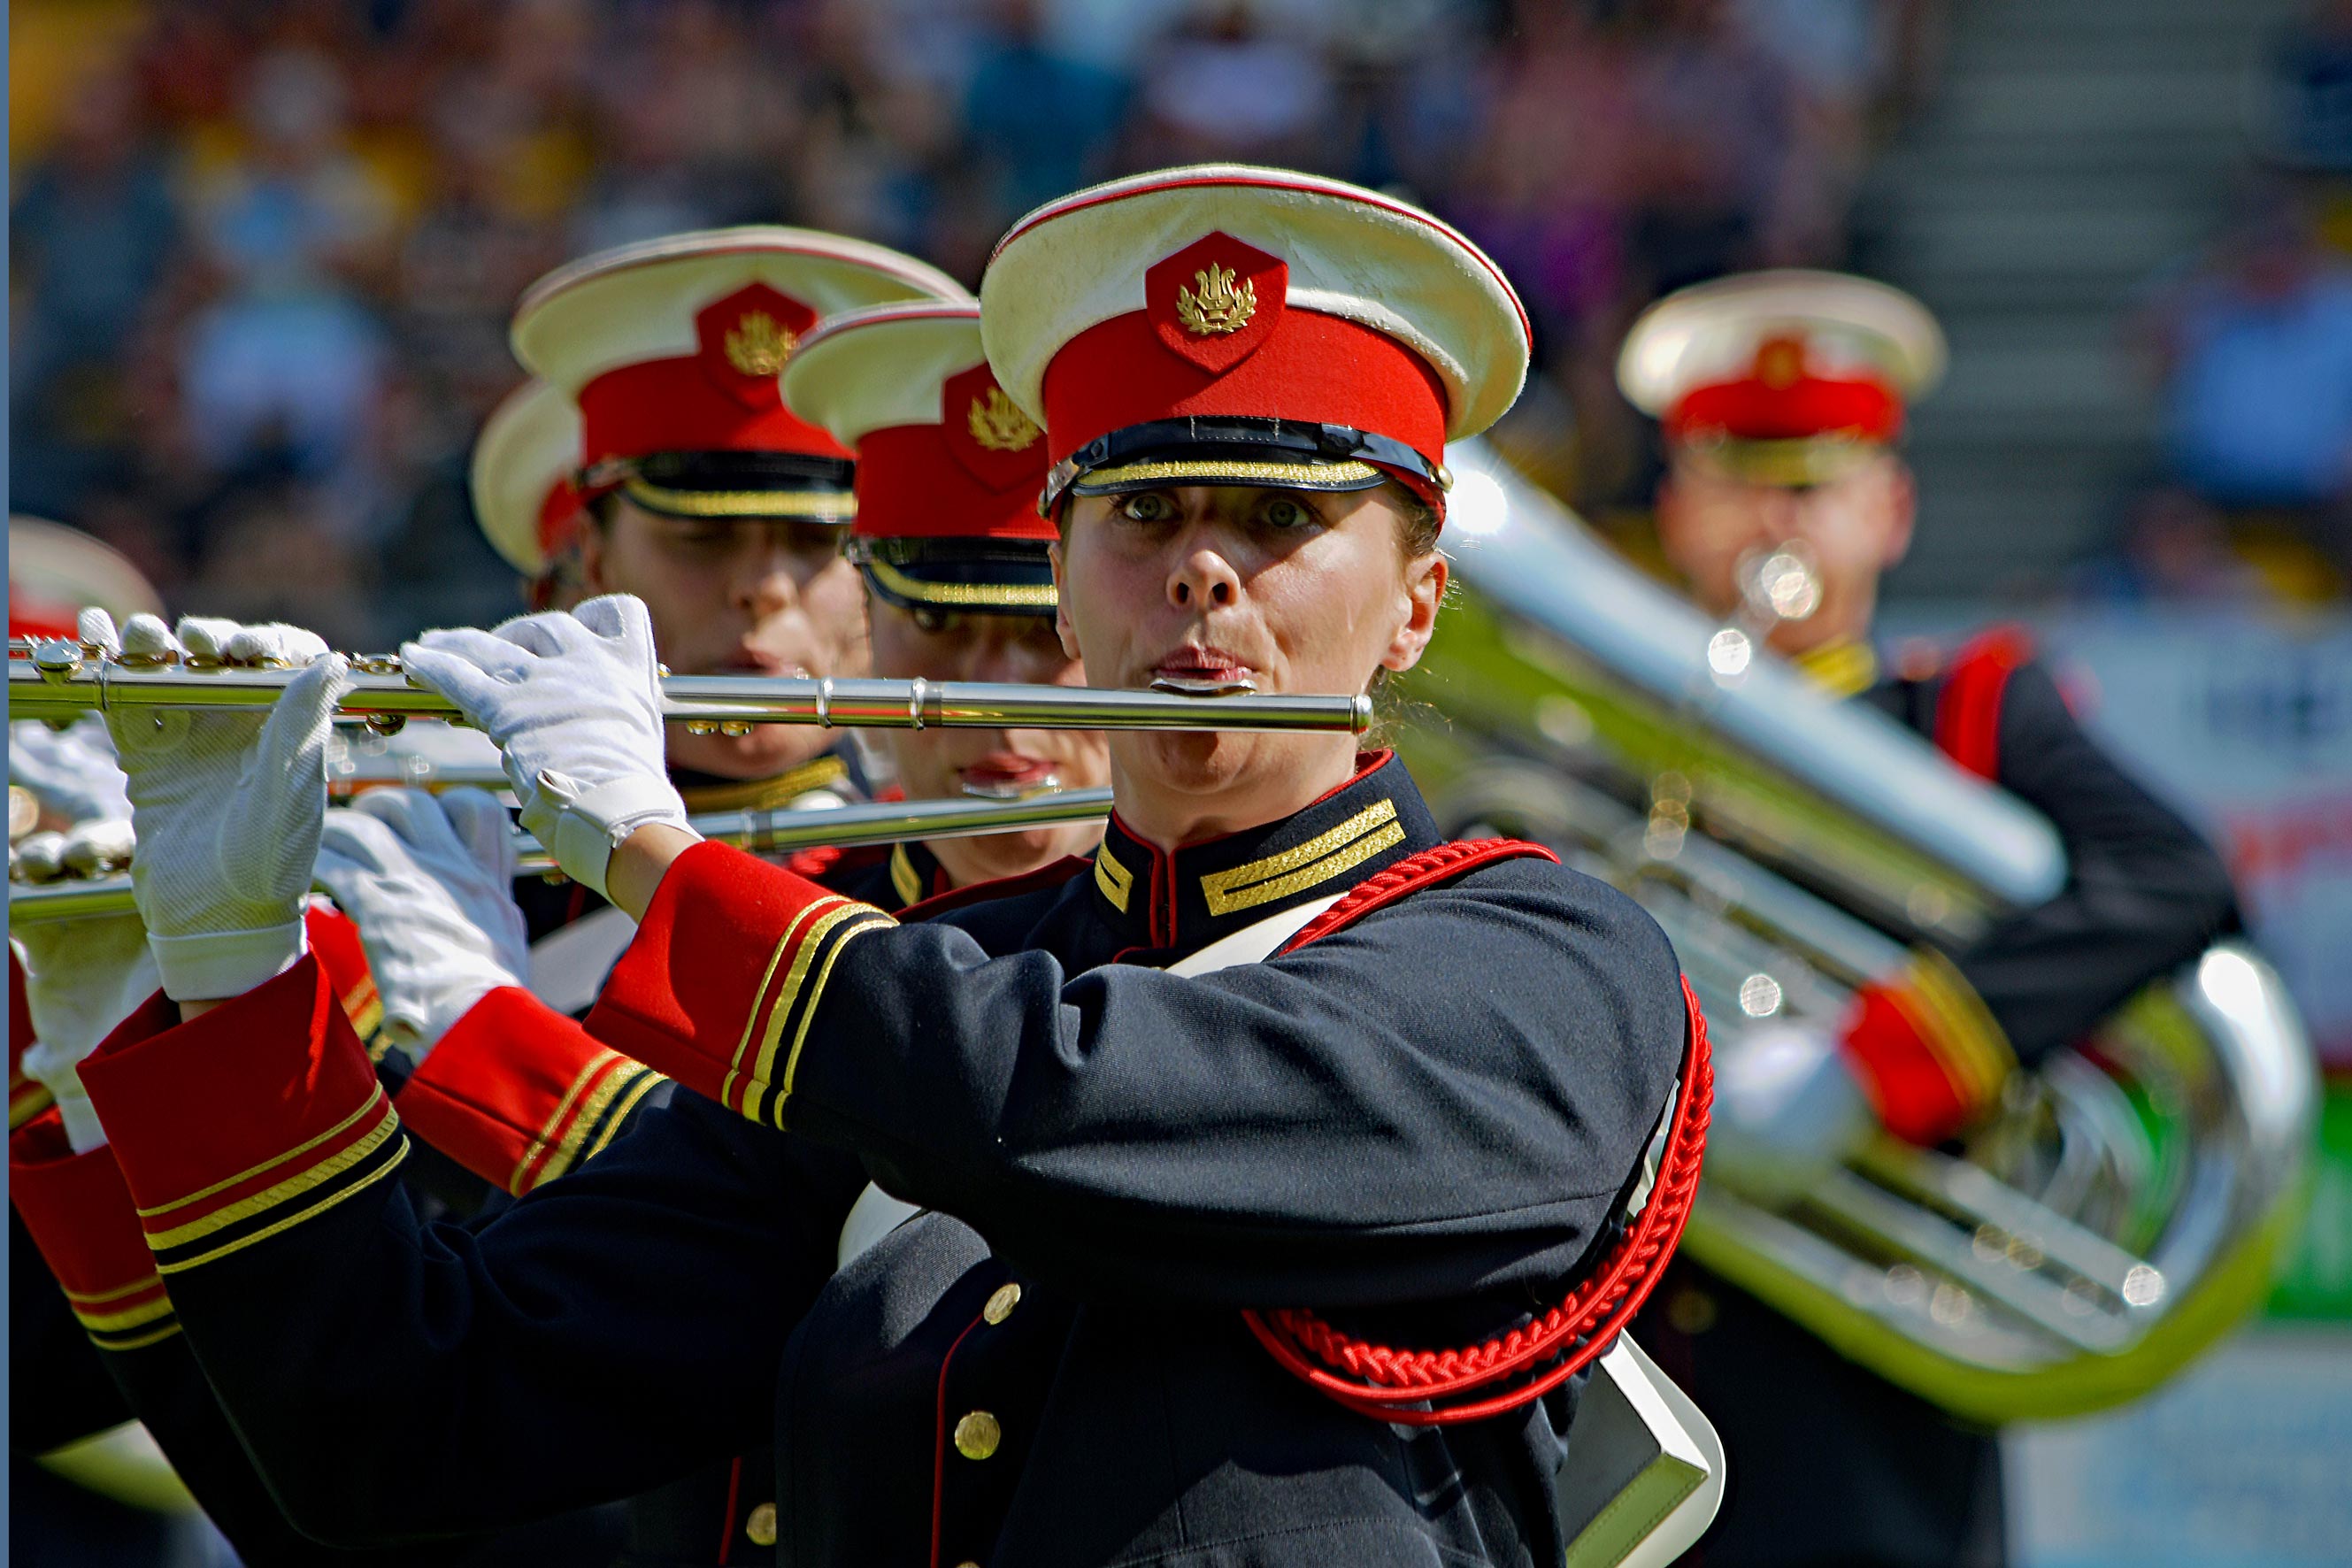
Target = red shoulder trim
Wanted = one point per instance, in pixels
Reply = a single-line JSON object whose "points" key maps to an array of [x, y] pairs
{"points": [[1967, 709], [1410, 875], [1435, 1388], [1051, 876]]}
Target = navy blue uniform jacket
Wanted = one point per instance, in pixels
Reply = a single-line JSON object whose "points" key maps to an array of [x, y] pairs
{"points": [[1422, 1124]]}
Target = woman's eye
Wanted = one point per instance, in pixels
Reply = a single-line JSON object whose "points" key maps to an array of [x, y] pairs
{"points": [[932, 621], [1284, 513], [1148, 507], [705, 535]]}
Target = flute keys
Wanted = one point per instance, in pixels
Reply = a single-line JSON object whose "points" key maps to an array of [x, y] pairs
{"points": [[702, 727], [57, 660], [386, 724]]}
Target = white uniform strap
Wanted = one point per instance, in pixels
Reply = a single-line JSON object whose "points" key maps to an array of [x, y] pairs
{"points": [[1644, 1473]]}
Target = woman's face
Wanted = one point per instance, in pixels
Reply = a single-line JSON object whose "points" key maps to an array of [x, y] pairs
{"points": [[736, 595], [1285, 589], [988, 763]]}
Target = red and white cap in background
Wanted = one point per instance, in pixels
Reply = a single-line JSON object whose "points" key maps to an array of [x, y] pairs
{"points": [[525, 461], [670, 349], [55, 573], [1223, 323], [948, 467], [1781, 378]]}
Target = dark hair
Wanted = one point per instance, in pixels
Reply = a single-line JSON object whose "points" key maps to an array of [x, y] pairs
{"points": [[1417, 533]]}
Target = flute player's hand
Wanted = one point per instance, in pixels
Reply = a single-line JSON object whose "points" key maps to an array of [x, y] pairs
{"points": [[573, 700], [226, 803]]}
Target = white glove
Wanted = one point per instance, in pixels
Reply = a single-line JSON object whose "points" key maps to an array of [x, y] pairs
{"points": [[82, 976], [573, 700], [88, 849], [71, 772], [429, 883], [226, 802], [1786, 1108]]}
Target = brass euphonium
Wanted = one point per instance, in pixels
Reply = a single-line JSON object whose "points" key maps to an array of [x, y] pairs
{"points": [[2126, 1205]]}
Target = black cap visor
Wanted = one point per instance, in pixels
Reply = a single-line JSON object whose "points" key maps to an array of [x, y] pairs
{"points": [[1273, 453], [785, 485], [990, 576]]}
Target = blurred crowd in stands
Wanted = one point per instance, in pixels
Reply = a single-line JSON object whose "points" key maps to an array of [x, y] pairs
{"points": [[263, 251], [2248, 346]]}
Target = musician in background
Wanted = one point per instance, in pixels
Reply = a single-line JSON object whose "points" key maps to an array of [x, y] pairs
{"points": [[958, 586], [693, 487], [1782, 398], [959, 583]]}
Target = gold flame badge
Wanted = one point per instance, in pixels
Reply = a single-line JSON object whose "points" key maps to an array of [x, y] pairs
{"points": [[1218, 308], [758, 344], [997, 423]]}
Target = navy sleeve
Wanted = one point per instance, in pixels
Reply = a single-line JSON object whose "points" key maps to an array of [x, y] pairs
{"points": [[2144, 893]]}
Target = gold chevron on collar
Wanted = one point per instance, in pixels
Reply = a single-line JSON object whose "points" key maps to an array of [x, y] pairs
{"points": [[905, 880], [1316, 861], [763, 794], [1115, 880], [1840, 667]]}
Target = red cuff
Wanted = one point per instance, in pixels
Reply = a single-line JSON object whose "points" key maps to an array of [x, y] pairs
{"points": [[80, 1216], [336, 941], [1928, 1055], [518, 1093], [726, 970], [253, 1118]]}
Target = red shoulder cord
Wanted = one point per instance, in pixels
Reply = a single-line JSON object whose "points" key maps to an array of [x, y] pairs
{"points": [[1457, 1385]]}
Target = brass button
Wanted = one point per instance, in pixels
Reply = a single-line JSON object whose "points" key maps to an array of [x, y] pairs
{"points": [[761, 1525], [1000, 1306], [978, 1435]]}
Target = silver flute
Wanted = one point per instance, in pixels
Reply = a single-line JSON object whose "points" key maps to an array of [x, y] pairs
{"points": [[765, 832], [60, 679]]}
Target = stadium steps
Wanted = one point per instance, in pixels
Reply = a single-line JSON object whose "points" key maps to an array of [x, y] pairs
{"points": [[2073, 150]]}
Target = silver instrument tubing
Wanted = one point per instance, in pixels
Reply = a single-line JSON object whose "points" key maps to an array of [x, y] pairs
{"points": [[1522, 549], [775, 832], [60, 679]]}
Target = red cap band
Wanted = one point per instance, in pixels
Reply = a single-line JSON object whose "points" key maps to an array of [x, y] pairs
{"points": [[1780, 400], [1316, 369], [723, 397], [911, 486], [671, 406]]}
